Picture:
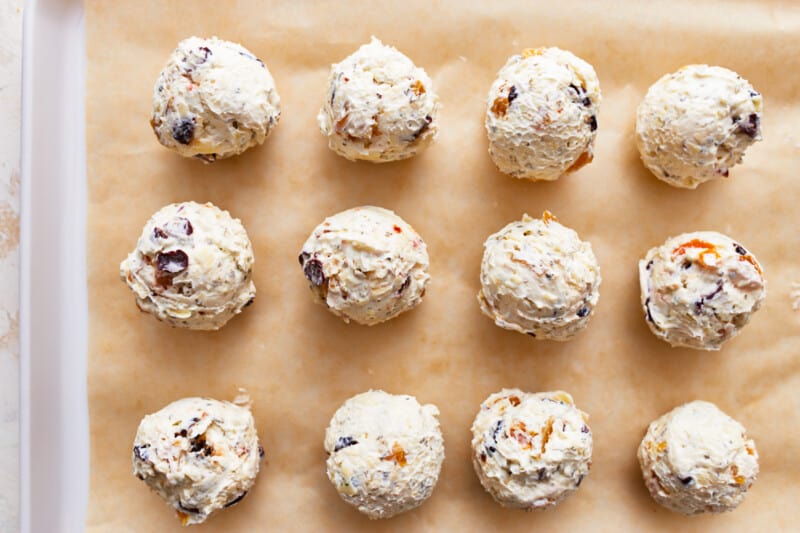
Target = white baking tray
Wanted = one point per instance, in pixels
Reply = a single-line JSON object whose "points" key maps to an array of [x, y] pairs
{"points": [[54, 422]]}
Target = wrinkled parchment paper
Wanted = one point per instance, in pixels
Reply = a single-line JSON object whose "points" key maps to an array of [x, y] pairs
{"points": [[299, 362]]}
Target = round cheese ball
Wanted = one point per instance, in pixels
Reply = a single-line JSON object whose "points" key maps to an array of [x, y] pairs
{"points": [[531, 450], [200, 455], [699, 289], [695, 124], [366, 264], [541, 114], [539, 278], [385, 452], [214, 99], [379, 106], [696, 459], [192, 266]]}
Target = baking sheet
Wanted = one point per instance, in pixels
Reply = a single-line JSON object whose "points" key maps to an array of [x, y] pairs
{"points": [[299, 362]]}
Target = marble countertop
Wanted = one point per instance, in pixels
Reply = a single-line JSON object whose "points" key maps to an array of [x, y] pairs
{"points": [[10, 74]]}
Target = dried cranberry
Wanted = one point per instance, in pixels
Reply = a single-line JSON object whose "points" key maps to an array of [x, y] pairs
{"points": [[159, 233], [168, 265], [187, 509], [749, 128], [179, 226], [303, 257], [314, 273], [414, 136], [404, 286], [593, 123], [137, 451], [344, 442], [236, 499], [512, 94], [183, 131], [172, 262]]}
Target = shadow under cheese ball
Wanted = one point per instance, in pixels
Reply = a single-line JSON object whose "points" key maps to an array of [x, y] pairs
{"points": [[200, 455], [695, 124], [696, 459], [214, 99], [531, 450], [379, 106], [192, 266], [366, 264], [541, 114], [699, 289], [538, 277], [385, 452]]}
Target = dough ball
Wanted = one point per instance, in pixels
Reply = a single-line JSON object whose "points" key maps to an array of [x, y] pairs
{"points": [[539, 278], [366, 264], [200, 455], [192, 266], [379, 106], [699, 289], [541, 114], [214, 99], [696, 459], [531, 451], [695, 124], [385, 452]]}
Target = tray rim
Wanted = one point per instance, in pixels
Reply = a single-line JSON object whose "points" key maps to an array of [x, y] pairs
{"points": [[54, 433]]}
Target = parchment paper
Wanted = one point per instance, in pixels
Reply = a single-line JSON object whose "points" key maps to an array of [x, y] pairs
{"points": [[299, 362]]}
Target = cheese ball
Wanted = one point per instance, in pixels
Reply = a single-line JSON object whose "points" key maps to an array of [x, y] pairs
{"points": [[695, 124], [379, 106], [699, 289], [696, 459], [541, 114], [385, 452], [366, 264], [214, 99], [531, 450], [200, 455], [539, 278], [192, 266]]}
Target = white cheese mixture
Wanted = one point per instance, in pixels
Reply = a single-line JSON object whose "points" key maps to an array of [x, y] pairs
{"points": [[192, 266], [531, 450], [696, 459], [539, 278], [541, 114], [699, 289], [200, 455], [366, 264], [695, 124], [385, 452], [214, 99], [379, 106]]}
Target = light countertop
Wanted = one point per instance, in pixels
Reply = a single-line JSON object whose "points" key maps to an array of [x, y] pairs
{"points": [[10, 74]]}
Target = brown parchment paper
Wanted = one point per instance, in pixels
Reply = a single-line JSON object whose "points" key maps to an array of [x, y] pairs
{"points": [[299, 362]]}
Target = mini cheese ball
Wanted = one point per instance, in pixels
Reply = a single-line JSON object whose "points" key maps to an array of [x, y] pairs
{"points": [[192, 266], [695, 124], [531, 450], [385, 452], [200, 455], [214, 99], [539, 278], [366, 264], [379, 106], [541, 114], [696, 459], [699, 289]]}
